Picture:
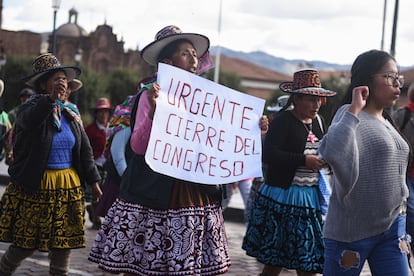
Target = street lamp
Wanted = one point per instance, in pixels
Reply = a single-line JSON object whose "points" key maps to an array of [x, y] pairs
{"points": [[394, 29], [55, 7], [383, 24], [218, 53], [78, 57], [3, 57]]}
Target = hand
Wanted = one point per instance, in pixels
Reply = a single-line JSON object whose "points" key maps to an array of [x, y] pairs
{"points": [[59, 92], [152, 95], [264, 124], [96, 191], [314, 162], [359, 99]]}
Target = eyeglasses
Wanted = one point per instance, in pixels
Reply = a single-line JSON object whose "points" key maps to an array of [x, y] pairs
{"points": [[393, 78]]}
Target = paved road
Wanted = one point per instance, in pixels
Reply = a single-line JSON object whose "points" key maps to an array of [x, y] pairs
{"points": [[242, 265], [38, 263]]}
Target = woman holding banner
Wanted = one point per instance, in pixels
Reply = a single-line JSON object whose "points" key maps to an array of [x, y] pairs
{"points": [[162, 225], [285, 223]]}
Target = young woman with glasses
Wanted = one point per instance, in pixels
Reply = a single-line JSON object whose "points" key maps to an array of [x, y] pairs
{"points": [[367, 211]]}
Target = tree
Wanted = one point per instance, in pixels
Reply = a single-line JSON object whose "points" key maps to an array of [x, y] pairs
{"points": [[121, 83], [12, 73], [231, 80], [338, 85], [116, 86], [92, 89]]}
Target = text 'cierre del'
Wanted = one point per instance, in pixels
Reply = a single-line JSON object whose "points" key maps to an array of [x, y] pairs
{"points": [[197, 118]]}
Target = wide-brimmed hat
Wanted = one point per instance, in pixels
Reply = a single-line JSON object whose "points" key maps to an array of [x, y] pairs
{"points": [[103, 103], [306, 81], [75, 85], [45, 63], [170, 34], [1, 87], [26, 92], [280, 103]]}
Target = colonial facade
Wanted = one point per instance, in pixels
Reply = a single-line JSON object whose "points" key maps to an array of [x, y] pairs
{"points": [[102, 51]]}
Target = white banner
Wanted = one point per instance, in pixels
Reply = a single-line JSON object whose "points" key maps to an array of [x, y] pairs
{"points": [[204, 132]]}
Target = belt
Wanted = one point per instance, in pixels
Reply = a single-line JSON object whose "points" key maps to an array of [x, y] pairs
{"points": [[403, 208]]}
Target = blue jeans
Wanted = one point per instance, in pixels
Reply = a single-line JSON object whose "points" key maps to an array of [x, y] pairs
{"points": [[386, 253], [410, 211]]}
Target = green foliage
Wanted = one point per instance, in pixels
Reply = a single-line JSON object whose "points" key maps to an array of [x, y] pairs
{"points": [[231, 80], [92, 89], [12, 73], [333, 103], [116, 85], [120, 84]]}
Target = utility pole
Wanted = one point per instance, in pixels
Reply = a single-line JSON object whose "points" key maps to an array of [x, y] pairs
{"points": [[394, 29], [217, 65], [1, 13], [383, 24]]}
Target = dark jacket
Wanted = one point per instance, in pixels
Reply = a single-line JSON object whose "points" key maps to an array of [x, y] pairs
{"points": [[141, 185], [34, 133], [283, 148]]}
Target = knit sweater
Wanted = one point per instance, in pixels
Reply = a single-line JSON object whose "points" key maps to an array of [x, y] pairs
{"points": [[369, 161]]}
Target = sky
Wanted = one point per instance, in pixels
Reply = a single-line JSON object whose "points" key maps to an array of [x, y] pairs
{"points": [[335, 31]]}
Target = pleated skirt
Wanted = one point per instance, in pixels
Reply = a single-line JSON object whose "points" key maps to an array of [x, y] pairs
{"points": [[285, 228], [189, 238], [53, 217]]}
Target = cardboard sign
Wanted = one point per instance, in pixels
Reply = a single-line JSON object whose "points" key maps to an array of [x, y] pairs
{"points": [[204, 132]]}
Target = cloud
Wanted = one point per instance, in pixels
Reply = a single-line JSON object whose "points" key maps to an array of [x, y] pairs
{"points": [[333, 31]]}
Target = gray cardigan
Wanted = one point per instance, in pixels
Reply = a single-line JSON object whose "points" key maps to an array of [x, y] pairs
{"points": [[369, 161]]}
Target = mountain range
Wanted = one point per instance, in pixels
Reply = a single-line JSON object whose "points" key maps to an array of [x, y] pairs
{"points": [[282, 65], [279, 64]]}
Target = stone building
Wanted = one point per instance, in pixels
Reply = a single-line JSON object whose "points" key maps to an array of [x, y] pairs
{"points": [[100, 50]]}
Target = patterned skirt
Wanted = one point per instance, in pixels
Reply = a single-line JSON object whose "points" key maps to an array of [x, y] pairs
{"points": [[53, 217], [186, 240], [285, 228]]}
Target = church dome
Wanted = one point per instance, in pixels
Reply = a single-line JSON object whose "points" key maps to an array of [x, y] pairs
{"points": [[71, 29]]}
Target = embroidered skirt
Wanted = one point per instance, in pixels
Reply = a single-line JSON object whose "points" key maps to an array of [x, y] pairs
{"points": [[186, 239], [285, 228], [53, 217]]}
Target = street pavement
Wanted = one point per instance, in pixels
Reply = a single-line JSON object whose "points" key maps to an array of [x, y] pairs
{"points": [[242, 265], [38, 263]]}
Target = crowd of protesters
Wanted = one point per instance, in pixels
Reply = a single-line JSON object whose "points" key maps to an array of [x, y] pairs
{"points": [[149, 223]]}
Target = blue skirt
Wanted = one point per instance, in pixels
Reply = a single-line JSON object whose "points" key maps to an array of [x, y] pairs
{"points": [[285, 228]]}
